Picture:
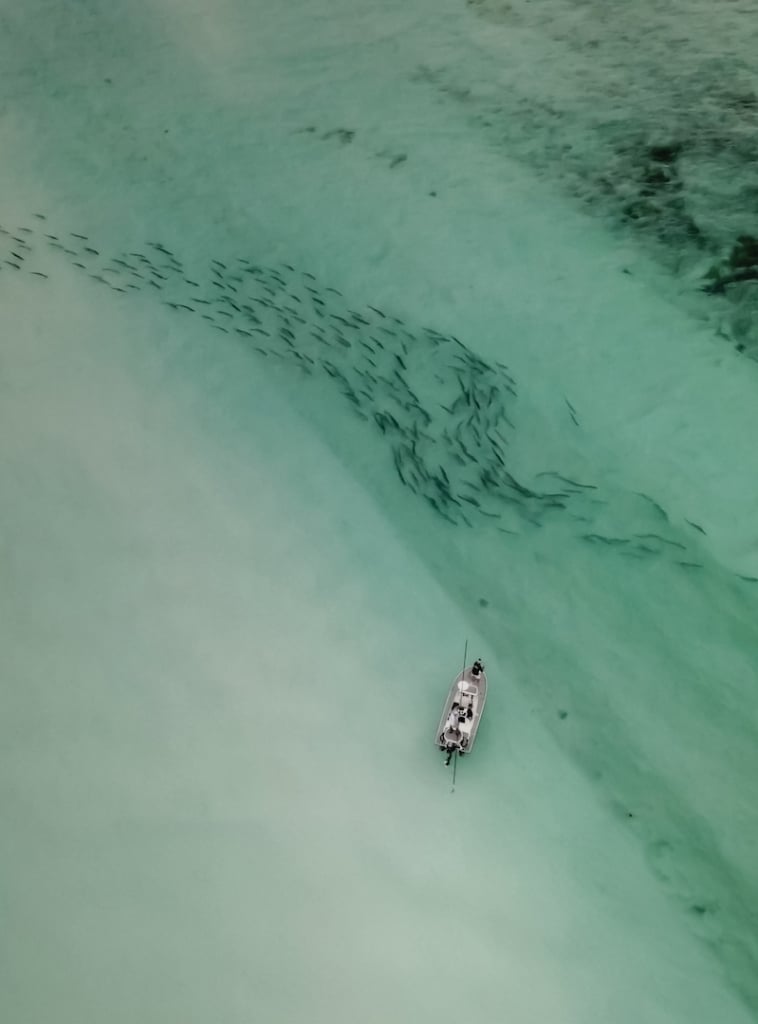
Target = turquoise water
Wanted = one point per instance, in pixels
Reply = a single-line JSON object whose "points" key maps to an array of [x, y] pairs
{"points": [[304, 382]]}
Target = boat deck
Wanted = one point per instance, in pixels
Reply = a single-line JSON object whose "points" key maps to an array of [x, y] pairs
{"points": [[463, 711]]}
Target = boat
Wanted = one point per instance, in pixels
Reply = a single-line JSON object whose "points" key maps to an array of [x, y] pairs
{"points": [[463, 711]]}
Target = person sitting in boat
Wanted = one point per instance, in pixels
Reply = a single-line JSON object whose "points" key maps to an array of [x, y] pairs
{"points": [[477, 668], [452, 729], [465, 707]]}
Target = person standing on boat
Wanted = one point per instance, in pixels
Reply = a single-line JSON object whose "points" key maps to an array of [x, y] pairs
{"points": [[452, 741], [477, 668]]}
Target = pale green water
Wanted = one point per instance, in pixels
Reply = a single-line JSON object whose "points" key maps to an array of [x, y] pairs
{"points": [[229, 629]]}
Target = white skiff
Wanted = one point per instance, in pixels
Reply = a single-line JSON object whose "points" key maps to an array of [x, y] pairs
{"points": [[462, 713]]}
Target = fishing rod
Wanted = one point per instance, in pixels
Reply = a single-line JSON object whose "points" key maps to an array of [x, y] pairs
{"points": [[455, 752]]}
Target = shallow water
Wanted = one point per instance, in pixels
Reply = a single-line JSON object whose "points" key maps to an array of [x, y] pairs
{"points": [[303, 384]]}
